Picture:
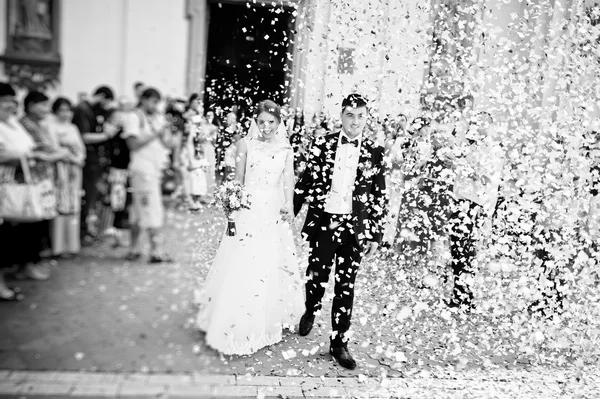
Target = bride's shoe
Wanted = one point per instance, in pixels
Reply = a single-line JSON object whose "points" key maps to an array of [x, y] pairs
{"points": [[306, 324]]}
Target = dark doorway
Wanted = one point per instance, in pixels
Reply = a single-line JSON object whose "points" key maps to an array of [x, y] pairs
{"points": [[247, 59]]}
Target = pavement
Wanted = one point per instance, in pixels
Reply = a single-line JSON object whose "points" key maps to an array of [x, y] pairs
{"points": [[104, 327], [494, 384]]}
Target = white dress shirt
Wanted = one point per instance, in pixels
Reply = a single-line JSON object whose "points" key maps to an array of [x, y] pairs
{"points": [[339, 201], [153, 157]]}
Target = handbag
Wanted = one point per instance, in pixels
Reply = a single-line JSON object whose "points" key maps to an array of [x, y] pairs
{"points": [[169, 181], [28, 201]]}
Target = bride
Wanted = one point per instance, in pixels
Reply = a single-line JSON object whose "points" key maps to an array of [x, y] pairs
{"points": [[253, 289]]}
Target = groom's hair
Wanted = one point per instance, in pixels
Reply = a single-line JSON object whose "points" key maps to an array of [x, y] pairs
{"points": [[354, 101]]}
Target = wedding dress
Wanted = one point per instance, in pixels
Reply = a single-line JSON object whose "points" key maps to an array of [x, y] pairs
{"points": [[253, 289]]}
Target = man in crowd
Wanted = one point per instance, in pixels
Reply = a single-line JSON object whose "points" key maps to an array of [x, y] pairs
{"points": [[148, 137], [138, 89], [478, 175], [89, 117]]}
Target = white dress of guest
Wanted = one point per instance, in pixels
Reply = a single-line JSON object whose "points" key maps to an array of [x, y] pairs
{"points": [[209, 131], [64, 228]]}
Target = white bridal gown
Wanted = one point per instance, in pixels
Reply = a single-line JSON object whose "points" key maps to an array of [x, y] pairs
{"points": [[253, 289]]}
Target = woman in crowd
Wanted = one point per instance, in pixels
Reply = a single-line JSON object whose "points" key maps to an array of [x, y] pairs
{"points": [[37, 109], [203, 134], [193, 158], [118, 174], [299, 142], [22, 243], [212, 119], [191, 110], [208, 133], [15, 144], [436, 188], [412, 224], [224, 141], [393, 151], [64, 229], [319, 125]]}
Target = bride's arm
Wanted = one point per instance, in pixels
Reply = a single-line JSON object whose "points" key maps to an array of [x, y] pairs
{"points": [[240, 161], [288, 187]]}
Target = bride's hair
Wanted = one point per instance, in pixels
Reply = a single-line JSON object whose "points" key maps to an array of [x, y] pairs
{"points": [[269, 107]]}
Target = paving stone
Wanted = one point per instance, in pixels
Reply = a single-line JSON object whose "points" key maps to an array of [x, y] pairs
{"points": [[334, 382], [325, 392], [107, 378], [80, 377], [235, 391], [4, 374], [370, 392], [140, 378], [259, 380], [9, 387], [170, 379], [130, 390], [214, 379], [95, 391], [297, 381], [46, 389], [42, 376], [18, 375], [187, 391], [275, 392], [66, 377]]}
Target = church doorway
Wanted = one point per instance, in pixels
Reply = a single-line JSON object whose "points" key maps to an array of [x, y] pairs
{"points": [[249, 54]]}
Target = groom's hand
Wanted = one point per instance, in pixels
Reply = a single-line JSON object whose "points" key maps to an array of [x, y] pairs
{"points": [[371, 247]]}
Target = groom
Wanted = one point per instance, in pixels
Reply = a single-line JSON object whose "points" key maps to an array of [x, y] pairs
{"points": [[345, 188]]}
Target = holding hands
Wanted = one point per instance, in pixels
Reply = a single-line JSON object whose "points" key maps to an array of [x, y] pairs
{"points": [[287, 214]]}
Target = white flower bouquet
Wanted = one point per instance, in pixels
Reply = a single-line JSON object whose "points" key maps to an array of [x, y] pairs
{"points": [[231, 196]]}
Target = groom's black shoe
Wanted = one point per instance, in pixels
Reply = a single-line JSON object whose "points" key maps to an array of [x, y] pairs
{"points": [[306, 324], [343, 357]]}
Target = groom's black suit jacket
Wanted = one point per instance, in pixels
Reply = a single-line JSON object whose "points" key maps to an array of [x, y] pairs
{"points": [[369, 199]]}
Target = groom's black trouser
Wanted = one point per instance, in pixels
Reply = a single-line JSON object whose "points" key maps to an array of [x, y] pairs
{"points": [[334, 241], [462, 247]]}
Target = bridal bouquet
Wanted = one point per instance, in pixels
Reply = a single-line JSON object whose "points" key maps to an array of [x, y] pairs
{"points": [[231, 196]]}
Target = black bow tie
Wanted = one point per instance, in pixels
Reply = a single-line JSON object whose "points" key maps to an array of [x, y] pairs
{"points": [[346, 140]]}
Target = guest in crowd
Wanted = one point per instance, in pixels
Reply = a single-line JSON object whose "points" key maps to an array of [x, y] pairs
{"points": [[65, 227], [414, 239], [224, 141], [437, 191], [394, 154], [202, 134], [212, 119], [118, 175], [192, 110], [319, 125], [230, 159], [37, 109], [89, 118], [288, 118], [148, 137], [208, 131], [299, 142], [138, 89], [18, 245], [478, 173], [195, 161]]}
